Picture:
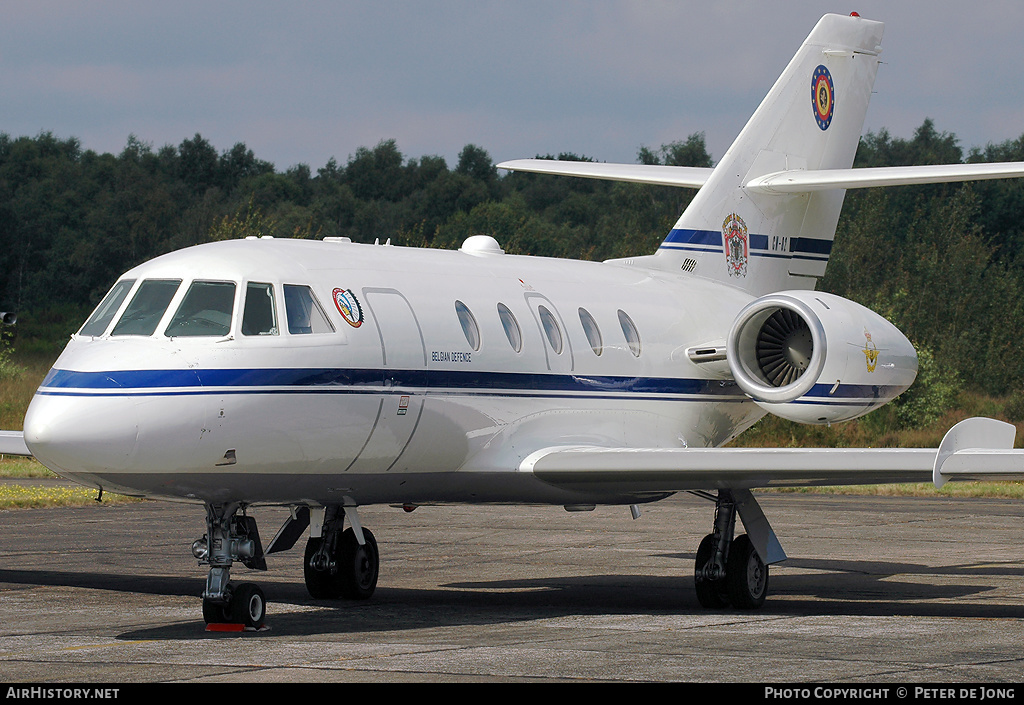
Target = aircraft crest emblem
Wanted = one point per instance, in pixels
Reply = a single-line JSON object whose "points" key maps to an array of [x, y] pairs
{"points": [[348, 307], [870, 352], [823, 96], [737, 245]]}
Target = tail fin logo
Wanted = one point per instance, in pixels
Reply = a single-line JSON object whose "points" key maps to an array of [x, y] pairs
{"points": [[737, 245], [823, 96]]}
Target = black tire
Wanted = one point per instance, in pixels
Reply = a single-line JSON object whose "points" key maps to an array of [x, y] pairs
{"points": [[746, 575], [710, 593], [358, 566], [320, 584], [248, 606], [216, 612]]}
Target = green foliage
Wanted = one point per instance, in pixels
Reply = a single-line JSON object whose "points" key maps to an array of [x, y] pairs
{"points": [[923, 257], [935, 391], [8, 370], [691, 152], [250, 224], [1014, 409]]}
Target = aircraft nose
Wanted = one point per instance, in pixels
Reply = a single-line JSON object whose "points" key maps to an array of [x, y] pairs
{"points": [[71, 434]]}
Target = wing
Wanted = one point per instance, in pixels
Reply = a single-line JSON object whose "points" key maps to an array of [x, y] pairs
{"points": [[13, 443], [975, 449], [687, 176]]}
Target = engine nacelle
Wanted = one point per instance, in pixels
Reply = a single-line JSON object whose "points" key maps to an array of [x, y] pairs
{"points": [[817, 358]]}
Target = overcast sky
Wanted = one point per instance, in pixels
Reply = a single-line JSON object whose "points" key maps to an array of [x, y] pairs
{"points": [[305, 81]]}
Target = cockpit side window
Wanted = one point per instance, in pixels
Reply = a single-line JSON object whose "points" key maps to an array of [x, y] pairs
{"points": [[147, 307], [259, 316], [205, 311], [303, 311], [104, 313]]}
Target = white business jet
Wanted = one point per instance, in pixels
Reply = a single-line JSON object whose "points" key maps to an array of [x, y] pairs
{"points": [[326, 376]]}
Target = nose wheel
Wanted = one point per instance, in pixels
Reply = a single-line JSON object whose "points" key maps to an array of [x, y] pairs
{"points": [[230, 537], [245, 605]]}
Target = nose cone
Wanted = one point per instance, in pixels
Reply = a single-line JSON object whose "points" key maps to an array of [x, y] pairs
{"points": [[81, 434]]}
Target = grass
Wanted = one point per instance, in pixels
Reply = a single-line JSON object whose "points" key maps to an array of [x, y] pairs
{"points": [[16, 390], [23, 468], [988, 490], [24, 495], [873, 430]]}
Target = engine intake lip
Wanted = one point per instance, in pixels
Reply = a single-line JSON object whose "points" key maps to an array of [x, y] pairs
{"points": [[741, 349]]}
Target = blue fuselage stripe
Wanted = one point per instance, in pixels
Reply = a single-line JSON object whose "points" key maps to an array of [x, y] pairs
{"points": [[326, 379], [352, 381], [711, 241]]}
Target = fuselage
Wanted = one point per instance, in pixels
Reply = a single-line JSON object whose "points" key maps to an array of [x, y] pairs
{"points": [[293, 371]]}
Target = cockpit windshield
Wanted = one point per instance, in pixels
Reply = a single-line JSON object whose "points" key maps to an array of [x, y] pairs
{"points": [[104, 313], [147, 307], [205, 311]]}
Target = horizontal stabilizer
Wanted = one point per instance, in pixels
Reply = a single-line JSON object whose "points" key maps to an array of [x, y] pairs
{"points": [[804, 181], [13, 443], [778, 182], [659, 175], [976, 449]]}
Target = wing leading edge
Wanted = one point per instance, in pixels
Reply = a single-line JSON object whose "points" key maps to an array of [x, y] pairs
{"points": [[13, 443], [974, 449]]}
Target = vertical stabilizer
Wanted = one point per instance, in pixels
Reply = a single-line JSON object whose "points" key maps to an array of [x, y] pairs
{"points": [[811, 119]]}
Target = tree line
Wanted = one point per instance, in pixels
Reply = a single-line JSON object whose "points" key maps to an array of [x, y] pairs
{"points": [[943, 262]]}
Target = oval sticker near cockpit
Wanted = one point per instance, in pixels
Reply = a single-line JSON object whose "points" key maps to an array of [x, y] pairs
{"points": [[348, 307]]}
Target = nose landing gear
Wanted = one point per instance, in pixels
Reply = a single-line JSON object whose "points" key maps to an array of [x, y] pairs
{"points": [[230, 538]]}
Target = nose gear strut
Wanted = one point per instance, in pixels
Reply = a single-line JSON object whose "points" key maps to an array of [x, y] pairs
{"points": [[231, 537]]}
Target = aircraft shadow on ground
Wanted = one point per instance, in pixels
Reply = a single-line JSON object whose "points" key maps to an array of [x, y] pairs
{"points": [[835, 587]]}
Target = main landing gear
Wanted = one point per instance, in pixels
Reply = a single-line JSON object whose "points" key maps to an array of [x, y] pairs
{"points": [[341, 563], [730, 571], [338, 563]]}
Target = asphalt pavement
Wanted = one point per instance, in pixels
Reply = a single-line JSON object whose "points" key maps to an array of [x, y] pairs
{"points": [[876, 590]]}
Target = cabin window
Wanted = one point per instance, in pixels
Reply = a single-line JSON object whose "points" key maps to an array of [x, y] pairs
{"points": [[629, 331], [469, 326], [511, 326], [592, 331], [304, 312], [104, 313], [551, 329], [259, 317], [147, 307], [205, 311]]}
